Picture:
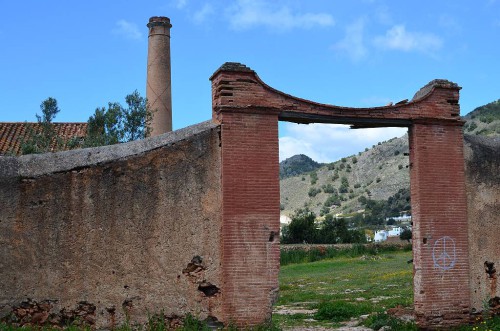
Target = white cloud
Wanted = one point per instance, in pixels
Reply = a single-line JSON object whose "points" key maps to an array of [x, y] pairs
{"points": [[353, 42], [330, 142], [201, 15], [397, 38], [127, 30], [246, 14]]}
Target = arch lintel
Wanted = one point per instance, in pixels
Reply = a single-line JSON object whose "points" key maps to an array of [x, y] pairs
{"points": [[236, 86]]}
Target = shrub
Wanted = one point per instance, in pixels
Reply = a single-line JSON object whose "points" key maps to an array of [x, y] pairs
{"points": [[335, 176], [324, 210], [333, 199], [344, 186], [471, 127], [314, 177], [328, 188], [313, 191]]}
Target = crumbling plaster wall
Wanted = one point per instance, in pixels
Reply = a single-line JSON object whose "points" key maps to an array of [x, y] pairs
{"points": [[113, 232], [482, 162]]}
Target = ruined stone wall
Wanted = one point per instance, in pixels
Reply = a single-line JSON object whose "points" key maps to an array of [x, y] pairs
{"points": [[482, 161], [126, 231]]}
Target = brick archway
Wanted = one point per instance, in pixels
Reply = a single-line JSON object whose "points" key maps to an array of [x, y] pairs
{"points": [[249, 110]]}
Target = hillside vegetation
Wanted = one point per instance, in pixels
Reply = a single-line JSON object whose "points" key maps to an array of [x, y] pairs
{"points": [[296, 165], [484, 120]]}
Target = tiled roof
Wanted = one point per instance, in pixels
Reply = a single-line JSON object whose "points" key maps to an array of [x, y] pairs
{"points": [[12, 134]]}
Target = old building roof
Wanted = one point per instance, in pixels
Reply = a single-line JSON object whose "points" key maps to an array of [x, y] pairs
{"points": [[12, 134]]}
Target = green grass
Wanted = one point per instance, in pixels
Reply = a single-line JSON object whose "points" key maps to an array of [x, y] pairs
{"points": [[294, 256], [345, 287]]}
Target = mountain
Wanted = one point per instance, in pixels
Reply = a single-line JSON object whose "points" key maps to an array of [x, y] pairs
{"points": [[296, 165], [484, 120], [377, 173]]}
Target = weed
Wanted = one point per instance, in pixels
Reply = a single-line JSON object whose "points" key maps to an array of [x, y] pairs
{"points": [[379, 320], [339, 311], [482, 323], [191, 324]]}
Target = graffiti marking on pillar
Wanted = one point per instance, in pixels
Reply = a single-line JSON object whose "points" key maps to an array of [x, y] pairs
{"points": [[443, 253]]}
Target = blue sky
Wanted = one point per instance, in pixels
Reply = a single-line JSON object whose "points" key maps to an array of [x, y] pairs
{"points": [[358, 53]]}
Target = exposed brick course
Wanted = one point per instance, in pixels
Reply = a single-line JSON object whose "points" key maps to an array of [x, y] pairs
{"points": [[439, 214], [250, 216]]}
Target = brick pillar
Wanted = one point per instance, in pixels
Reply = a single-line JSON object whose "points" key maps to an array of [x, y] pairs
{"points": [[440, 235], [250, 215]]}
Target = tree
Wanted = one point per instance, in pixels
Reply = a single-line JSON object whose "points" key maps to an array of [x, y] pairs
{"points": [[336, 231], [42, 138], [117, 124], [301, 229], [109, 126], [406, 235]]}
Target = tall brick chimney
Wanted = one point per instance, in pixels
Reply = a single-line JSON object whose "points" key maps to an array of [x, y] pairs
{"points": [[158, 88]]}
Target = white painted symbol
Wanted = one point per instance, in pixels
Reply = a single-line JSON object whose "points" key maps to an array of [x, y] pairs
{"points": [[443, 253]]}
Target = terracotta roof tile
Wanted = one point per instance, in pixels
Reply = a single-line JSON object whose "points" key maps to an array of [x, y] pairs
{"points": [[12, 134]]}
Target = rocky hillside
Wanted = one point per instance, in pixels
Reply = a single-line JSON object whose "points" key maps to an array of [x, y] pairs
{"points": [[376, 173], [484, 120]]}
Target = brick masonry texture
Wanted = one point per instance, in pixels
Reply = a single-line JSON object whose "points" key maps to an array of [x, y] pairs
{"points": [[248, 111], [439, 215], [250, 216], [115, 231]]}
